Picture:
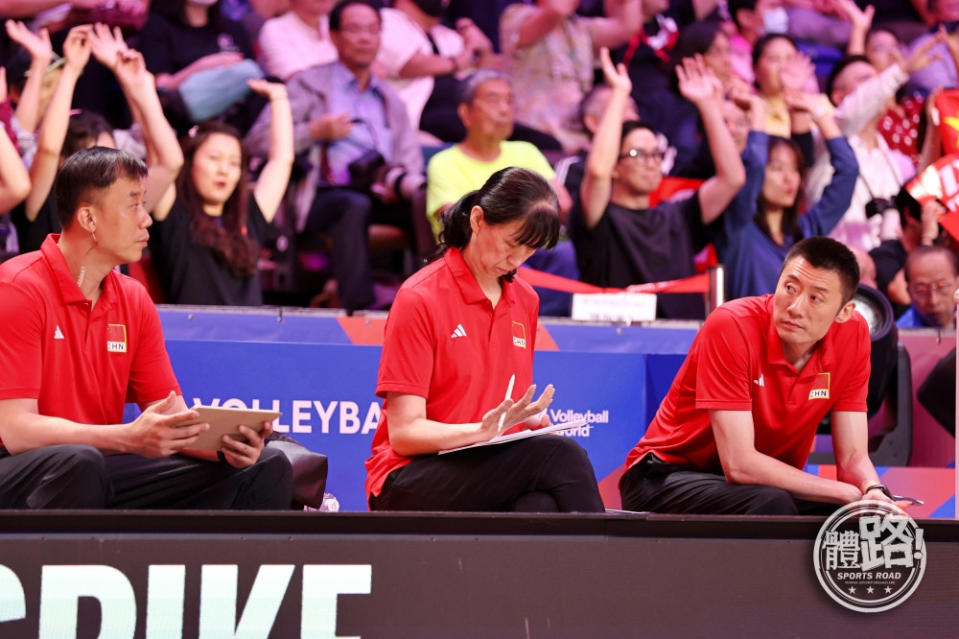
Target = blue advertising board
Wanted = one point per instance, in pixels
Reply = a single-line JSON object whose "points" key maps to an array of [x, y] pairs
{"points": [[309, 368]]}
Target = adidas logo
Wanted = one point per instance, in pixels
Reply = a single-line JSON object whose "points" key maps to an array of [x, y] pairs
{"points": [[459, 332], [57, 333], [760, 381]]}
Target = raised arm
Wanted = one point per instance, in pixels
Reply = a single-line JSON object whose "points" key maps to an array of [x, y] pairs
{"points": [[14, 179], [860, 20], [41, 53], [27, 8], [165, 158], [542, 19], [742, 209], [743, 464], [597, 185], [623, 19], [275, 175], [826, 213], [43, 171], [698, 85]]}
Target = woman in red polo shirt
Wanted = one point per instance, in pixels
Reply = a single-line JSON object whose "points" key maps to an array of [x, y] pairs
{"points": [[459, 331]]}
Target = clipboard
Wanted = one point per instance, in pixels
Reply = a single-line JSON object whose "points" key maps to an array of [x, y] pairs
{"points": [[224, 421], [523, 434]]}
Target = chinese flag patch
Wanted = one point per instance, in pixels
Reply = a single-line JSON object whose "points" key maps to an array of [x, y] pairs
{"points": [[116, 338], [519, 335], [820, 387]]}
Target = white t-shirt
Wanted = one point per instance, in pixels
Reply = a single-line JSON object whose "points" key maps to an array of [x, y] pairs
{"points": [[287, 45], [402, 39]]}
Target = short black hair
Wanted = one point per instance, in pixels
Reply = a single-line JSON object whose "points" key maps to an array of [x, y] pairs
{"points": [[508, 195], [923, 251], [838, 68], [826, 253], [632, 125], [90, 170], [336, 14], [84, 128]]}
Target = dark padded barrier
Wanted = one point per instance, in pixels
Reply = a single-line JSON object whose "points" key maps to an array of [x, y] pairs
{"points": [[441, 575]]}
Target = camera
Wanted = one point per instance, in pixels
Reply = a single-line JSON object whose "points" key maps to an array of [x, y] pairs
{"points": [[363, 170], [879, 205]]}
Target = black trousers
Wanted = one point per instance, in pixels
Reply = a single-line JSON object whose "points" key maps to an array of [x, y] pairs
{"points": [[540, 474], [654, 485], [71, 476], [345, 215]]}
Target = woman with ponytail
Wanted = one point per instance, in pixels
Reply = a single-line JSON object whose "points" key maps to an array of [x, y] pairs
{"points": [[460, 333]]}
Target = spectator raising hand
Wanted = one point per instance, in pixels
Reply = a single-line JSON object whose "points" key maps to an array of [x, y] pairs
{"points": [[697, 83], [43, 171], [29, 108], [14, 179], [107, 46]]}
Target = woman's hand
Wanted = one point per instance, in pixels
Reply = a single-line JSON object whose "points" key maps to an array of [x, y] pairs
{"points": [[77, 47], [270, 90], [697, 83], [37, 44], [510, 413], [108, 46]]}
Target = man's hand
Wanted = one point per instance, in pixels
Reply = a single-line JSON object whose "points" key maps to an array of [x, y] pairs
{"points": [[332, 126], [931, 212], [242, 454], [158, 433], [474, 39]]}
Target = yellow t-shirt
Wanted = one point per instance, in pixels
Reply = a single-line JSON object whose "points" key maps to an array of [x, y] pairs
{"points": [[451, 174]]}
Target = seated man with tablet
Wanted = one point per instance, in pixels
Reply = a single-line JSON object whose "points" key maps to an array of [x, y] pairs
{"points": [[77, 341]]}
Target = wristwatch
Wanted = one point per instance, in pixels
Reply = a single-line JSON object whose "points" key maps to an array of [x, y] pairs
{"points": [[880, 487]]}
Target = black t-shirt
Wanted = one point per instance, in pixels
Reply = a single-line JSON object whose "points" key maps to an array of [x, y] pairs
{"points": [[30, 235], [630, 246], [168, 46], [193, 274]]}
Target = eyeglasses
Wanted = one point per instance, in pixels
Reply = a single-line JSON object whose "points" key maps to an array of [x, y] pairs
{"points": [[942, 287], [643, 155]]}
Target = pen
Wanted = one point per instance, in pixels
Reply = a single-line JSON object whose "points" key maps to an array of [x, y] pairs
{"points": [[509, 393]]}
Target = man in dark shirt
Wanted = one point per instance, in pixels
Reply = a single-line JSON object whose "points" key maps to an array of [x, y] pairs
{"points": [[619, 240]]}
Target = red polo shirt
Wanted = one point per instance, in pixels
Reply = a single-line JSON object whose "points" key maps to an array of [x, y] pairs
{"points": [[79, 363], [444, 341], [736, 363]]}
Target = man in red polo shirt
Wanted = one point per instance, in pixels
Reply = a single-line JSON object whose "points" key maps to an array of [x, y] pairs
{"points": [[77, 341], [737, 425]]}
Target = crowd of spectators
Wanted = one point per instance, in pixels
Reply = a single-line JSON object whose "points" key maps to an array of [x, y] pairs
{"points": [[286, 134]]}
